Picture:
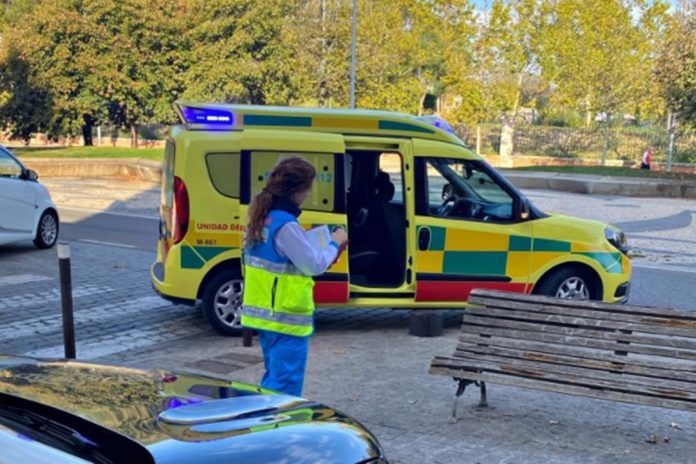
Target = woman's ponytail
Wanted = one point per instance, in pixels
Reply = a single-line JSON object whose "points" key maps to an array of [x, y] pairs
{"points": [[258, 210], [290, 176]]}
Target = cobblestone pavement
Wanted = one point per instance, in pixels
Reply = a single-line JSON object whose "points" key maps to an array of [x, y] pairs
{"points": [[361, 362]]}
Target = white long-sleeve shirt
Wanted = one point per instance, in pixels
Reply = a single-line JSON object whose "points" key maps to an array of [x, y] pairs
{"points": [[291, 242]]}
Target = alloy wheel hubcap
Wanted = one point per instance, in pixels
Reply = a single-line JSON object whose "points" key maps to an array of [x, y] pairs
{"points": [[228, 303], [573, 288], [48, 229]]}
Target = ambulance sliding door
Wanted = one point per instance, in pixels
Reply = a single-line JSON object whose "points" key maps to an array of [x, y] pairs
{"points": [[327, 204]]}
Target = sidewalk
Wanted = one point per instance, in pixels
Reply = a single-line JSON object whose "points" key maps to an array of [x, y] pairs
{"points": [[601, 185]]}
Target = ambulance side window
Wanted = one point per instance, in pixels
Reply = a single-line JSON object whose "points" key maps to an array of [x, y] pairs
{"points": [[461, 189], [223, 169], [327, 181]]}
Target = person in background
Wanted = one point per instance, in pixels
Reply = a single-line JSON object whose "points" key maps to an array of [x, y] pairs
{"points": [[279, 263], [646, 161]]}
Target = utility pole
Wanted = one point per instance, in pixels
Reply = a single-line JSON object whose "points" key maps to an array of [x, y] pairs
{"points": [[352, 53]]}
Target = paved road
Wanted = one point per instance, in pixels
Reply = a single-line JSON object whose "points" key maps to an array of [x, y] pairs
{"points": [[383, 384], [124, 230]]}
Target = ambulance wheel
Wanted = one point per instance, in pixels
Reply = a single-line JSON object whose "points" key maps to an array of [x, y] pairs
{"points": [[222, 303], [569, 283]]}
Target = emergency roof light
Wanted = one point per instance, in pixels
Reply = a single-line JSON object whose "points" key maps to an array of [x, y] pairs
{"points": [[211, 116], [438, 122]]}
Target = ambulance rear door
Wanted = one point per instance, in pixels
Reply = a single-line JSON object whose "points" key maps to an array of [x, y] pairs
{"points": [[262, 149]]}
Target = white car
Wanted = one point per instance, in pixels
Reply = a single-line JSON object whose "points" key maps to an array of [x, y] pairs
{"points": [[26, 209]]}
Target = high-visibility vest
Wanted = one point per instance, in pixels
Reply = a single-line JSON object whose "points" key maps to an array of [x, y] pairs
{"points": [[277, 296]]}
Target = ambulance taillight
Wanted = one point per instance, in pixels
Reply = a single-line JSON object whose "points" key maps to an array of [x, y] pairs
{"points": [[180, 210]]}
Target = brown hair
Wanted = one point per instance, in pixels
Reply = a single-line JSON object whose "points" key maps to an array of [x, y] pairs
{"points": [[290, 176]]}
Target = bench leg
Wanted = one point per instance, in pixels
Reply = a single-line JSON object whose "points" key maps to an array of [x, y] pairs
{"points": [[460, 391], [483, 402]]}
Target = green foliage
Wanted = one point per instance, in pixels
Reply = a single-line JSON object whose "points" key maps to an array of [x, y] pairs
{"points": [[676, 69], [70, 64]]}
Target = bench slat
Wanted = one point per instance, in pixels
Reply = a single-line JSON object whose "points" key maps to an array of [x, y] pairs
{"points": [[607, 363], [523, 370], [484, 297], [474, 332], [590, 332], [528, 311], [678, 389], [535, 384], [588, 353]]}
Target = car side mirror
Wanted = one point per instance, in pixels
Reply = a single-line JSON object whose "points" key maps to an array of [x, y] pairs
{"points": [[31, 175], [524, 209]]}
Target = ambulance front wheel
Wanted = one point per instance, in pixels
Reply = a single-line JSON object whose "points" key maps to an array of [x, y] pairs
{"points": [[222, 303], [570, 283]]}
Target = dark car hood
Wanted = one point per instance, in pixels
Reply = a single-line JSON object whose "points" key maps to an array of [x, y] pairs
{"points": [[184, 417]]}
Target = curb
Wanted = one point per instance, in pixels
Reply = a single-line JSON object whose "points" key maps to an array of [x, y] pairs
{"points": [[120, 168], [598, 185], [149, 170]]}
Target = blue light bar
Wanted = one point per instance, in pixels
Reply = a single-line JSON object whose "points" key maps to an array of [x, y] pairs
{"points": [[207, 116], [438, 122]]}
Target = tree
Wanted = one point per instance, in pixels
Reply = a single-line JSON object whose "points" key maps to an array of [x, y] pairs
{"points": [[676, 66], [141, 66], [242, 51], [593, 55], [56, 41], [24, 107]]}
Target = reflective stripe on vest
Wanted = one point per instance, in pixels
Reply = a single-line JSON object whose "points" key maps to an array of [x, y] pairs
{"points": [[277, 297]]}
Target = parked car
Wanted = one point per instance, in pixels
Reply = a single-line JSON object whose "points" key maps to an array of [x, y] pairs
{"points": [[62, 411], [26, 209], [428, 220]]}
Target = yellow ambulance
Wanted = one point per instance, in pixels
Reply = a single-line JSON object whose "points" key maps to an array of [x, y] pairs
{"points": [[428, 220]]}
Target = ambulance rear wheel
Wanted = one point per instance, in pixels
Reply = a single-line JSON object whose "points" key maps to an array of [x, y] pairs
{"points": [[222, 303]]}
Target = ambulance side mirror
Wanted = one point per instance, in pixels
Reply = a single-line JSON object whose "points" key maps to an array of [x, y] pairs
{"points": [[524, 209]]}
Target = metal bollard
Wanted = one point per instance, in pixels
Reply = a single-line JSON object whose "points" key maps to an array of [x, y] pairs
{"points": [[247, 337], [66, 299]]}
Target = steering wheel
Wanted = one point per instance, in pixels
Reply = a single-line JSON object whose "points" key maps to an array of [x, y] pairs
{"points": [[449, 204]]}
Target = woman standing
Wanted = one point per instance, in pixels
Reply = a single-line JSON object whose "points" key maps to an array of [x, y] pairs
{"points": [[278, 264]]}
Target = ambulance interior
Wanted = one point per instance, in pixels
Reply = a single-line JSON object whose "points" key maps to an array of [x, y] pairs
{"points": [[376, 219]]}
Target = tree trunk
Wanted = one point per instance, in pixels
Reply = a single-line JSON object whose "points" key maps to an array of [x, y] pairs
{"points": [[87, 130], [507, 132], [134, 136]]}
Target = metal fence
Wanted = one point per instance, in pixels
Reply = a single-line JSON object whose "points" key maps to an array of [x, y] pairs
{"points": [[624, 143]]}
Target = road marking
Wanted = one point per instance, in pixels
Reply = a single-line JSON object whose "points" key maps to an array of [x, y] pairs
{"points": [[47, 297], [666, 267], [99, 242], [17, 279], [128, 340], [53, 322], [101, 211]]}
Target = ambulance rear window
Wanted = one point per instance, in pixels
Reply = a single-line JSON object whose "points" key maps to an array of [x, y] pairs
{"points": [[223, 169]]}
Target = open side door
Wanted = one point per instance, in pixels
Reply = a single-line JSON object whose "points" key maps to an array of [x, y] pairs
{"points": [[262, 149]]}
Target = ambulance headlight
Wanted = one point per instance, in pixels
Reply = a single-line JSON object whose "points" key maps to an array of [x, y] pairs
{"points": [[617, 238]]}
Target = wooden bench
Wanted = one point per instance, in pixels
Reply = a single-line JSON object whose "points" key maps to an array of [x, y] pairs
{"points": [[613, 352]]}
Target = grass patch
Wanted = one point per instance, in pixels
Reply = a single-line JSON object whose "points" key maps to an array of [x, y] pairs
{"points": [[88, 152], [611, 171]]}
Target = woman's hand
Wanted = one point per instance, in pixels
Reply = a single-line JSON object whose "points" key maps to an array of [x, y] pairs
{"points": [[339, 236]]}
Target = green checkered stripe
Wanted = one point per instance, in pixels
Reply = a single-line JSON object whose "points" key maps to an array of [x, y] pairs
{"points": [[195, 257], [495, 262]]}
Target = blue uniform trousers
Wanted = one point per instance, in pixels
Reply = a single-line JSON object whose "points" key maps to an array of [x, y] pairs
{"points": [[285, 358]]}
